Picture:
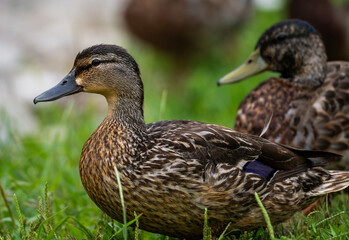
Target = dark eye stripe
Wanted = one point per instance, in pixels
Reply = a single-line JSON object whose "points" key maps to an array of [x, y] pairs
{"points": [[81, 69]]}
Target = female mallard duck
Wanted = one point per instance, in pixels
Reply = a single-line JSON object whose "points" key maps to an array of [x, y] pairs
{"points": [[172, 170], [309, 101]]}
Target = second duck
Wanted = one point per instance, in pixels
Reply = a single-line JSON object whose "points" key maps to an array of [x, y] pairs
{"points": [[308, 103]]}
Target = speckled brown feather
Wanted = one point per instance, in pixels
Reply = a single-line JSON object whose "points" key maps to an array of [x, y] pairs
{"points": [[304, 115], [171, 171], [274, 97]]}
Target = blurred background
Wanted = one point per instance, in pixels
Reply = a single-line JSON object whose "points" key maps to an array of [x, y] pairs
{"points": [[182, 47]]}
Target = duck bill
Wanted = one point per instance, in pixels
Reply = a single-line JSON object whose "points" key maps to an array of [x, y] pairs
{"points": [[253, 65], [64, 88]]}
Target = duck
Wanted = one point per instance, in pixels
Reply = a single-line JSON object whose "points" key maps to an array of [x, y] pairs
{"points": [[308, 103], [171, 171], [185, 26]]}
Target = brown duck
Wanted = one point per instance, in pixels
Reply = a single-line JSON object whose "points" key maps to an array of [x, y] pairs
{"points": [[171, 171], [309, 102], [183, 27]]}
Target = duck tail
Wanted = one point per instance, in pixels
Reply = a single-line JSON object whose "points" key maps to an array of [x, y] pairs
{"points": [[339, 180]]}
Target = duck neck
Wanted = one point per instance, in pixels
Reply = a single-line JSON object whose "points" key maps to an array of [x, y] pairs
{"points": [[312, 72], [126, 112], [309, 68]]}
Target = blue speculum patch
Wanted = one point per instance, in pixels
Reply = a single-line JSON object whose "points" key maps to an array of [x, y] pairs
{"points": [[259, 168]]}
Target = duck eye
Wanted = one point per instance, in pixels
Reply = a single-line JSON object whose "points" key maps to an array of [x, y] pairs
{"points": [[281, 37], [95, 62]]}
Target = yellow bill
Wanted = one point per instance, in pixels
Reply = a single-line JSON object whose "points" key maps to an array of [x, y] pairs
{"points": [[253, 65]]}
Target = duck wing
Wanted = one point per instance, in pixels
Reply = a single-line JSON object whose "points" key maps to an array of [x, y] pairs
{"points": [[213, 144]]}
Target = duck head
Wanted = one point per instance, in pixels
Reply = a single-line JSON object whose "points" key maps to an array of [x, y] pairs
{"points": [[103, 69], [291, 47]]}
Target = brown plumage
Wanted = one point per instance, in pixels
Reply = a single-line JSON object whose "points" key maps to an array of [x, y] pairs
{"points": [[309, 102], [172, 170]]}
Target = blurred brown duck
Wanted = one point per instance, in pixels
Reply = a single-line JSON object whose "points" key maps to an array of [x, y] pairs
{"points": [[309, 102], [172, 170], [183, 26]]}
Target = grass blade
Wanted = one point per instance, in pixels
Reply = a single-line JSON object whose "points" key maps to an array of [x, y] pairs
{"points": [[222, 235], [2, 191], [122, 202], [163, 104], [51, 235], [329, 218], [20, 218], [266, 216], [83, 228], [207, 230], [346, 234], [46, 204], [128, 224], [137, 227]]}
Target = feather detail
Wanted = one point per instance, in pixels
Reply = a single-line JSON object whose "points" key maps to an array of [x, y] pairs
{"points": [[339, 180]]}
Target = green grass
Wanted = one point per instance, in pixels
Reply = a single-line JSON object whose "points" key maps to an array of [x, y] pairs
{"points": [[42, 195]]}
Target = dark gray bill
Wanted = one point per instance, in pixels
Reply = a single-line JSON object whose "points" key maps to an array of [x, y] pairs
{"points": [[65, 87]]}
